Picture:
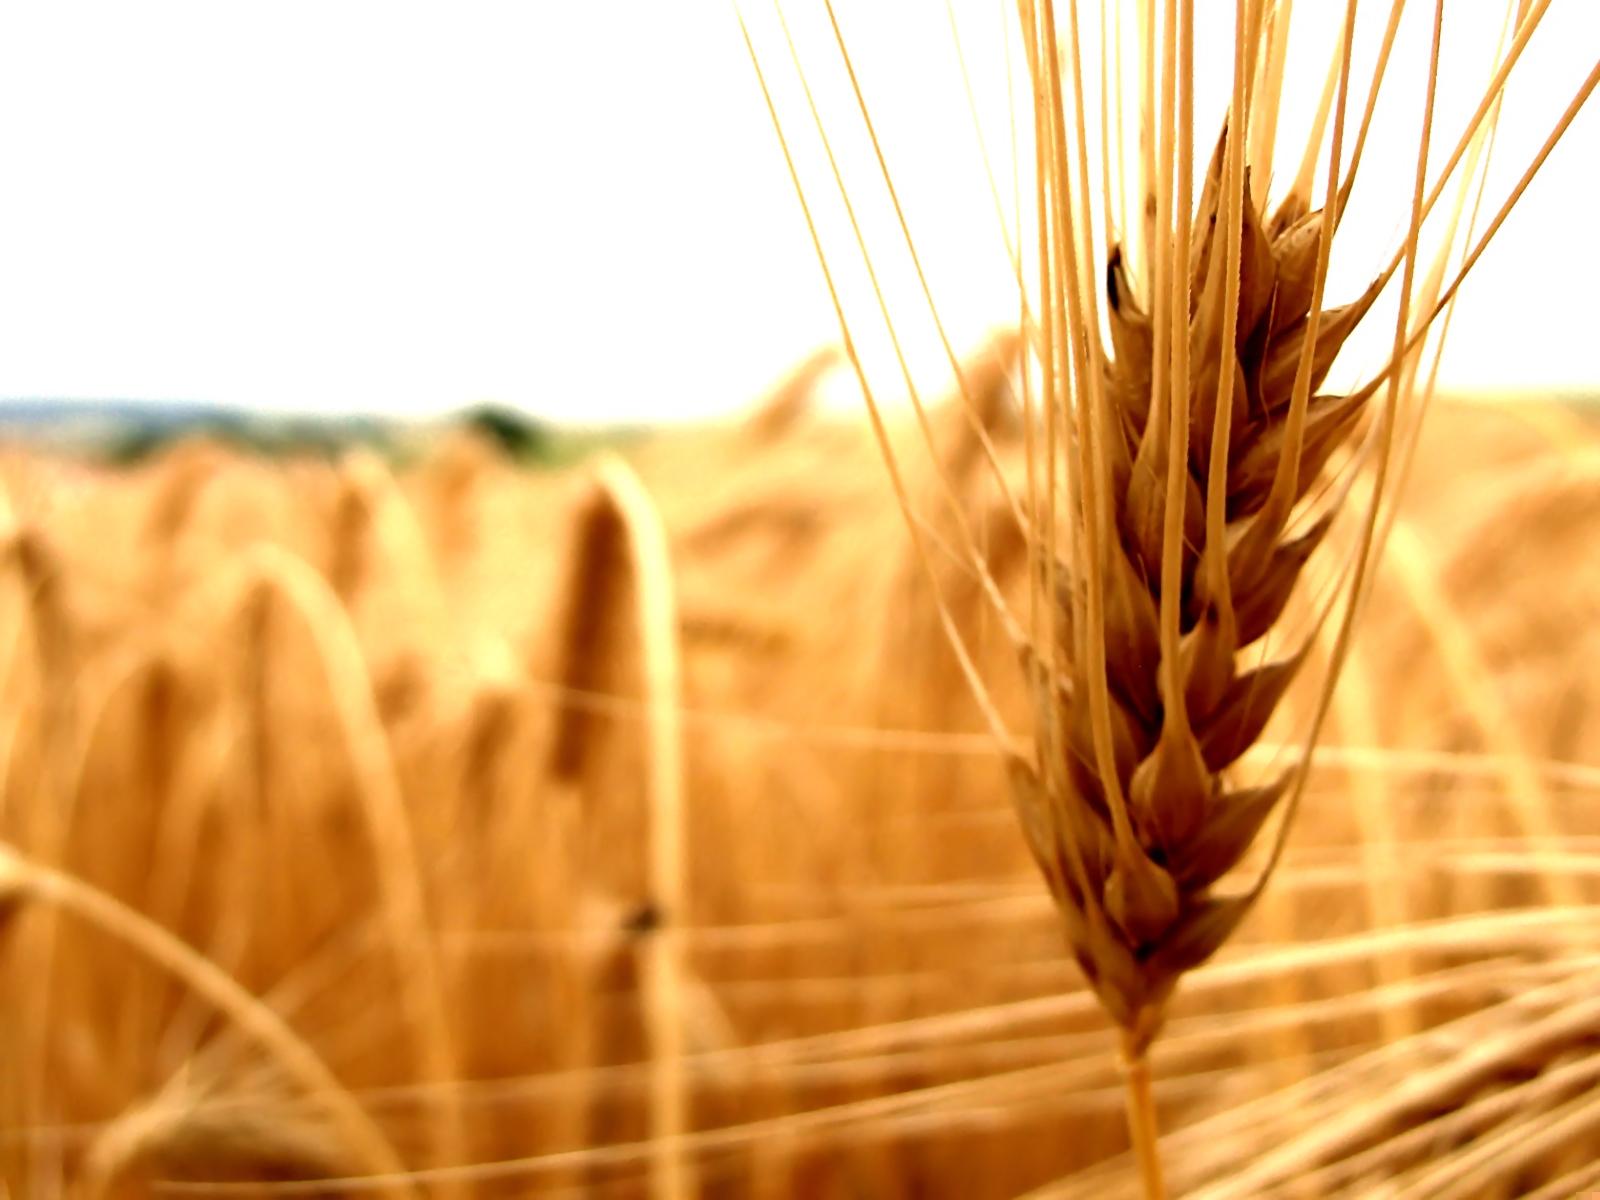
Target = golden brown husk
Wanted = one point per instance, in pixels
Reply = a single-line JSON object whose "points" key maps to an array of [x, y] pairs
{"points": [[1136, 926]]}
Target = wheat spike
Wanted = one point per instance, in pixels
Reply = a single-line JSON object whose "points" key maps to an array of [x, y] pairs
{"points": [[1140, 914], [1197, 434], [1175, 444]]}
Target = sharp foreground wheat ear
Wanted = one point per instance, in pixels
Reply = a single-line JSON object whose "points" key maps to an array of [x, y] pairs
{"points": [[1174, 450]]}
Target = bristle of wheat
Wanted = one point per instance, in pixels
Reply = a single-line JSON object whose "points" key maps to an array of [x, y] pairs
{"points": [[1138, 921]]}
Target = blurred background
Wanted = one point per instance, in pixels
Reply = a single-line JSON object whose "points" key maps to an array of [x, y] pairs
{"points": [[471, 716]]}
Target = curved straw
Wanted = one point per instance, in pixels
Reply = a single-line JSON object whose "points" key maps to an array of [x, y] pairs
{"points": [[421, 982], [671, 1169], [21, 880]]}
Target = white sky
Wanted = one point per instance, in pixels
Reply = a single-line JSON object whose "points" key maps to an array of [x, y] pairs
{"points": [[580, 208]]}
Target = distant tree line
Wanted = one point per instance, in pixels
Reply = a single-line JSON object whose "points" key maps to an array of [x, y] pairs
{"points": [[519, 437]]}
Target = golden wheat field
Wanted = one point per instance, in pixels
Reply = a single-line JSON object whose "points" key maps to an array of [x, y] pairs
{"points": [[460, 830]]}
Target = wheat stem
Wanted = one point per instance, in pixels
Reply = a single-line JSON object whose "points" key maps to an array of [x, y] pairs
{"points": [[1142, 1117]]}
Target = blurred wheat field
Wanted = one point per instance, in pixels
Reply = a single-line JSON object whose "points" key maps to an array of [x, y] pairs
{"points": [[526, 804]]}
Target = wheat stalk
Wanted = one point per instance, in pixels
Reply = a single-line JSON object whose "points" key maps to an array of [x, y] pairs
{"points": [[1178, 464], [23, 882]]}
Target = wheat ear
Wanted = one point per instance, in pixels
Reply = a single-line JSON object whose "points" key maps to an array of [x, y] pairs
{"points": [[1173, 497]]}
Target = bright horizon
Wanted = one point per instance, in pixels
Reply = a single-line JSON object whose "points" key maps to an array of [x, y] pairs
{"points": [[579, 211]]}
